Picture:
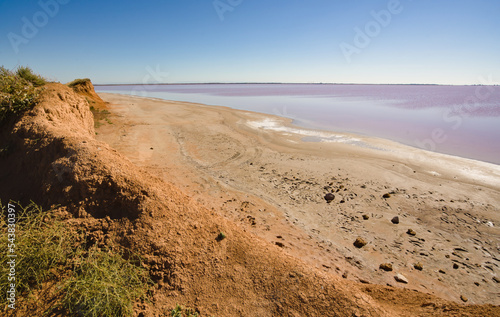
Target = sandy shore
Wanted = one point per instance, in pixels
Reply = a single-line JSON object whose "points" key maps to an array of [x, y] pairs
{"points": [[258, 171]]}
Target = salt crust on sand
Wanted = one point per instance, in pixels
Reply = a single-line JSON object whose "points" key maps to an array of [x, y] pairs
{"points": [[274, 125], [477, 171]]}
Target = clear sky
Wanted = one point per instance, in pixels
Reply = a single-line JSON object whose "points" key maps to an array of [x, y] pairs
{"points": [[173, 41]]}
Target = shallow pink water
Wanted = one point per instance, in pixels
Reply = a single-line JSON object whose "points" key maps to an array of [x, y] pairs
{"points": [[457, 120]]}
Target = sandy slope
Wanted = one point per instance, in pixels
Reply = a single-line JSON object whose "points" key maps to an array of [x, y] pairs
{"points": [[163, 211], [255, 170]]}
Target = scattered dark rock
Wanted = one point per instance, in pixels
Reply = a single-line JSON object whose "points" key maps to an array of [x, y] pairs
{"points": [[359, 243], [401, 278], [151, 148], [280, 244], [366, 217], [455, 266], [395, 220], [364, 281], [386, 267], [387, 195], [329, 197], [496, 279], [418, 266], [411, 232], [464, 299], [345, 274], [442, 272]]}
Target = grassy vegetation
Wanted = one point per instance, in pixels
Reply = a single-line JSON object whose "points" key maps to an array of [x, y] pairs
{"points": [[181, 311], [103, 284], [19, 91], [41, 244], [100, 115], [27, 74], [90, 281], [78, 81]]}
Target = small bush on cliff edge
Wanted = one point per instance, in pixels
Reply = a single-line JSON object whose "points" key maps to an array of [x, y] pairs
{"points": [[19, 91], [27, 74], [78, 81]]}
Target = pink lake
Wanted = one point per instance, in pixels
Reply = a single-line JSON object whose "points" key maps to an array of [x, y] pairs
{"points": [[457, 120]]}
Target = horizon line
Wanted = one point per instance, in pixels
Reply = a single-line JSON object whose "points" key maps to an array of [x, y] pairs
{"points": [[286, 83]]}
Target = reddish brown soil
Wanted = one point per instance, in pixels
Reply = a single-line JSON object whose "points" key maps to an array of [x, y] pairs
{"points": [[86, 89], [55, 160]]}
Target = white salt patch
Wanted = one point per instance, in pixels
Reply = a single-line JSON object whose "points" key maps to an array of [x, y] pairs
{"points": [[274, 125], [482, 172], [464, 169]]}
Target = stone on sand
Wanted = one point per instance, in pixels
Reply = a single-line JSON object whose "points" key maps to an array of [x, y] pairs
{"points": [[386, 267], [359, 243], [401, 278], [329, 197], [418, 266], [411, 232]]}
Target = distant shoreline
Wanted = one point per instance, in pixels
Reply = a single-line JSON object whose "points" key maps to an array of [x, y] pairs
{"points": [[285, 83]]}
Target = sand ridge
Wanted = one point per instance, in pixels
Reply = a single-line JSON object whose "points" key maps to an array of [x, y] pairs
{"points": [[256, 170]]}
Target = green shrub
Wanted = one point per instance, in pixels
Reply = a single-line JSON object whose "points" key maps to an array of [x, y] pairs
{"points": [[41, 244], [181, 311], [221, 236], [103, 284], [17, 94], [27, 74], [78, 81], [92, 282]]}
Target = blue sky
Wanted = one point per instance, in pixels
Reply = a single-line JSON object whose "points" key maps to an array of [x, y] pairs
{"points": [[419, 41]]}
